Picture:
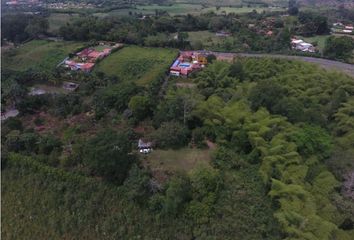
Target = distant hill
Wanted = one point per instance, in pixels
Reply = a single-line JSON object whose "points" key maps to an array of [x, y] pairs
{"points": [[331, 3]]}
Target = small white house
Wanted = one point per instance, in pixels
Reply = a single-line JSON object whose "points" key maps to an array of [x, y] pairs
{"points": [[300, 45], [338, 24], [174, 73], [144, 147]]}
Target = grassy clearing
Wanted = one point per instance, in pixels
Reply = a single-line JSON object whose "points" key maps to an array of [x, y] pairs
{"points": [[176, 160], [38, 54], [138, 64], [51, 89], [320, 40], [56, 20], [207, 38]]}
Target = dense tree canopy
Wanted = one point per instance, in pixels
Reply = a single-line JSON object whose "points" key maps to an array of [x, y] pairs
{"points": [[109, 155]]}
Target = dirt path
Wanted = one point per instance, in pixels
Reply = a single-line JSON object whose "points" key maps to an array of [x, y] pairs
{"points": [[324, 63]]}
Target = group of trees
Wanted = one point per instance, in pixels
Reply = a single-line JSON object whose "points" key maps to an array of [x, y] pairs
{"points": [[19, 27], [312, 23], [167, 31], [340, 48]]}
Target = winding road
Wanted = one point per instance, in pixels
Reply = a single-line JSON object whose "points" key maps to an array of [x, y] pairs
{"points": [[324, 63]]}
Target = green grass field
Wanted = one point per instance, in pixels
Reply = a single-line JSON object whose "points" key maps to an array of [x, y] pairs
{"points": [[138, 64], [38, 54], [56, 20], [176, 160], [320, 40], [207, 38]]}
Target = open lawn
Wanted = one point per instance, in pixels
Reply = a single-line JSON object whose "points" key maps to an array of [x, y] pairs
{"points": [[38, 54], [56, 20], [138, 64], [51, 89], [320, 40], [176, 160], [206, 38]]}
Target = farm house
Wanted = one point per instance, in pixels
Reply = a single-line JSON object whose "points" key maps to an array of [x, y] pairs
{"points": [[188, 62], [300, 45], [85, 60]]}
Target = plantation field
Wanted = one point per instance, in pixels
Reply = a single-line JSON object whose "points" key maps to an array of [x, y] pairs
{"points": [[38, 54], [41, 202], [56, 20], [176, 160], [137, 64]]}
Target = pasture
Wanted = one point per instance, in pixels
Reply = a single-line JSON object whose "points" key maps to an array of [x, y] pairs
{"points": [[207, 38], [38, 54], [185, 8], [138, 64], [184, 159]]}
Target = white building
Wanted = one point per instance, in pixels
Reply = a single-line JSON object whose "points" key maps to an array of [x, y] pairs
{"points": [[300, 45]]}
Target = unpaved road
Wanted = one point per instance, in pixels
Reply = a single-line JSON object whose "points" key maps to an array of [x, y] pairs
{"points": [[325, 63]]}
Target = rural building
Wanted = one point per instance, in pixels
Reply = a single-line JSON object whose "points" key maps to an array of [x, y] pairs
{"points": [[144, 147], [70, 86], [75, 66], [188, 62], [85, 60], [223, 34], [36, 91], [300, 45], [338, 24]]}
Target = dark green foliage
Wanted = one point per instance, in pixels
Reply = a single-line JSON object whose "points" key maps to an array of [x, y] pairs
{"points": [[291, 108], [293, 7], [12, 124], [171, 135], [109, 155], [140, 106], [266, 94], [48, 144], [236, 71], [206, 184], [245, 192], [13, 27], [312, 140], [198, 136], [178, 193], [211, 58], [137, 185], [37, 26], [31, 104], [63, 105], [116, 97], [226, 158], [312, 23], [339, 48]]}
